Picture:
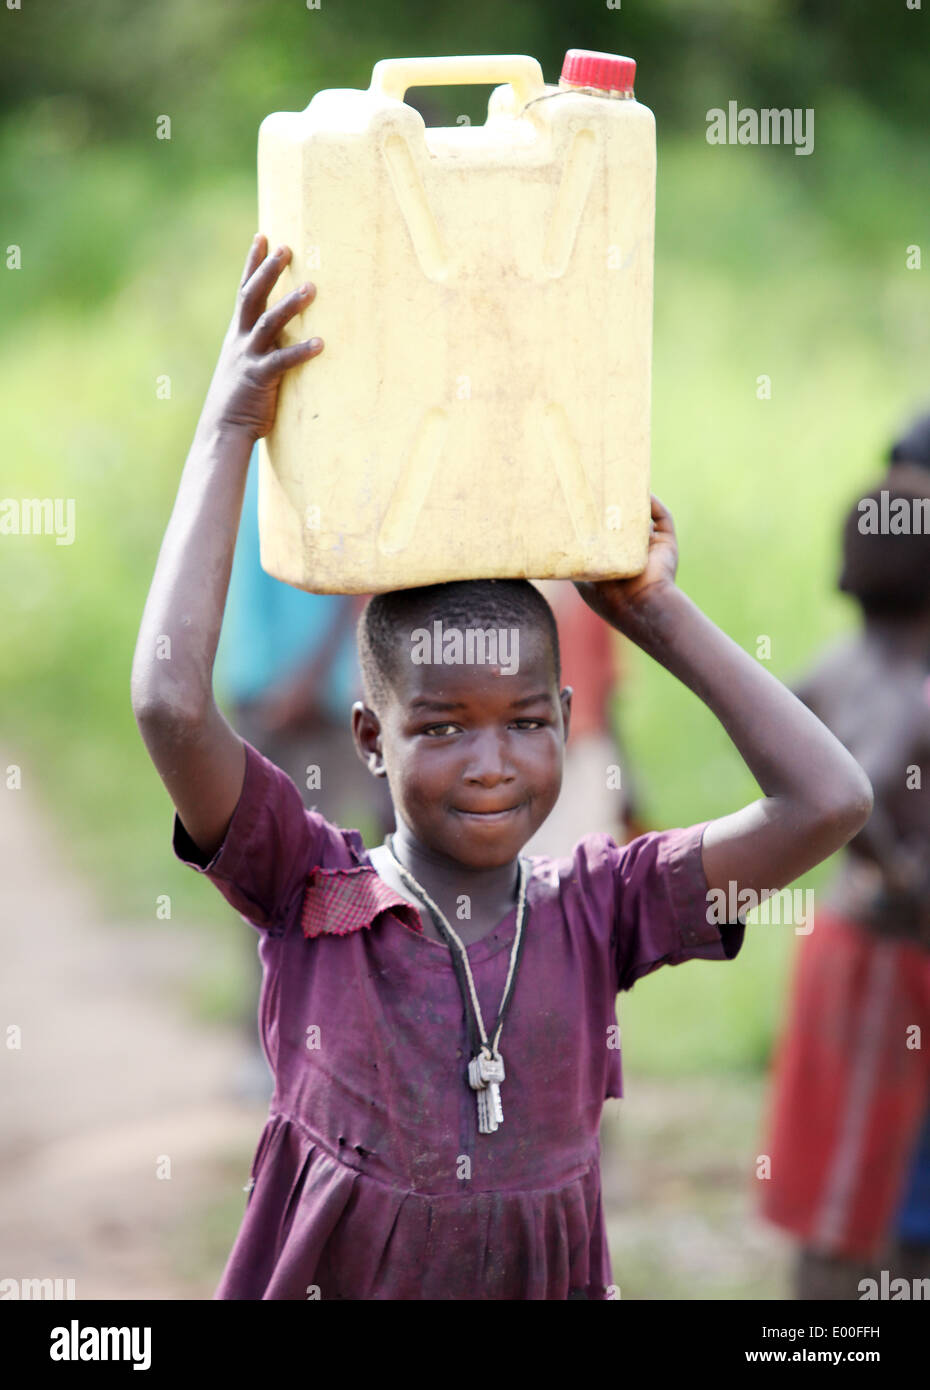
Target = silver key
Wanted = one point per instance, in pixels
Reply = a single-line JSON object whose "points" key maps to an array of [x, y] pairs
{"points": [[475, 1079], [490, 1114], [490, 1110], [484, 1076], [480, 1089], [491, 1069]]}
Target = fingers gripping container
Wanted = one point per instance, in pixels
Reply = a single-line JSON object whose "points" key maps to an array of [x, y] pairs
{"points": [[484, 293]]}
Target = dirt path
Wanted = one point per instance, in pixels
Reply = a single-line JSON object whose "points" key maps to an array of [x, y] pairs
{"points": [[113, 1078], [680, 1191]]}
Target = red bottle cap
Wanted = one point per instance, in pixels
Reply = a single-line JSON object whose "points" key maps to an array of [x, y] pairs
{"points": [[583, 67]]}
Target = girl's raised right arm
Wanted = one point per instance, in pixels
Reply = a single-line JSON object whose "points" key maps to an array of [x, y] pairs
{"points": [[199, 757]]}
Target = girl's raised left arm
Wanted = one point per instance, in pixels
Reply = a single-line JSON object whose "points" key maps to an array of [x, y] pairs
{"points": [[816, 795]]}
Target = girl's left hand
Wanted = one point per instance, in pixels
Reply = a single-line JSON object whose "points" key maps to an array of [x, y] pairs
{"points": [[614, 599]]}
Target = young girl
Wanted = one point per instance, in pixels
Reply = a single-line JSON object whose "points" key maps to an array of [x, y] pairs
{"points": [[849, 1128], [439, 1013]]}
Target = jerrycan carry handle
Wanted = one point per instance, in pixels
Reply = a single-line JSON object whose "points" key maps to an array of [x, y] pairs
{"points": [[392, 76]]}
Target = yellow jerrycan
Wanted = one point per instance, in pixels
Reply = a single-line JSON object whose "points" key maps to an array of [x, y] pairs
{"points": [[481, 407]]}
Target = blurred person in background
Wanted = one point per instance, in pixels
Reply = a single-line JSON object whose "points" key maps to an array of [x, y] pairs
{"points": [[909, 456], [597, 787], [288, 670], [849, 1126]]}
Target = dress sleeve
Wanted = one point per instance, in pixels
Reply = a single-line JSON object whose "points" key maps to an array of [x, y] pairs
{"points": [[661, 905], [271, 845]]}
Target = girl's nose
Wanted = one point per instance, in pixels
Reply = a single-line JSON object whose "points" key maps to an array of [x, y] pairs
{"points": [[488, 763]]}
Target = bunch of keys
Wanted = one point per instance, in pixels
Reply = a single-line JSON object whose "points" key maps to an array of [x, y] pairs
{"points": [[485, 1074]]}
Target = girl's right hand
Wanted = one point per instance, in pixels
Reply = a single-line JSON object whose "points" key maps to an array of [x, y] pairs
{"points": [[243, 394], [615, 599]]}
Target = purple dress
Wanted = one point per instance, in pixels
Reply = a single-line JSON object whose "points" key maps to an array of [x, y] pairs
{"points": [[370, 1180]]}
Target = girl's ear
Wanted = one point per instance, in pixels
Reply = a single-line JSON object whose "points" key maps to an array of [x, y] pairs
{"points": [[366, 730]]}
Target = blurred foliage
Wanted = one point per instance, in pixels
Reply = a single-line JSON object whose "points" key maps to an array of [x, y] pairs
{"points": [[765, 263], [78, 81], [213, 64]]}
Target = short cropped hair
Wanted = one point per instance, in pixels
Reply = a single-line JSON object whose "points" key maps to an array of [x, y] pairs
{"points": [[914, 445], [387, 620], [887, 573]]}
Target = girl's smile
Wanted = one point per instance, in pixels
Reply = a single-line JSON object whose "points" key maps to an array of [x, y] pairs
{"points": [[473, 757], [489, 816]]}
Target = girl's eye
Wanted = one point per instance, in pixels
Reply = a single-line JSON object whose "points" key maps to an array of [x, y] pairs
{"points": [[441, 729]]}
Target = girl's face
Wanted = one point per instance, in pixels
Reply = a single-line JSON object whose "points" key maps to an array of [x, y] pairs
{"points": [[473, 756]]}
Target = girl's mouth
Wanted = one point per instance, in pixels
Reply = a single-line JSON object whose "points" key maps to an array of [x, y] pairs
{"points": [[491, 816]]}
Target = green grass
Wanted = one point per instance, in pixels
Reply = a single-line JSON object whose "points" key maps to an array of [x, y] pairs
{"points": [[766, 264]]}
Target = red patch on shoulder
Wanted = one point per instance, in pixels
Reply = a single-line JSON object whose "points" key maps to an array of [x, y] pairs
{"points": [[339, 901]]}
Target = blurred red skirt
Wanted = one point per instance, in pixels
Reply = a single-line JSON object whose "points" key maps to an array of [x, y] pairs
{"points": [[851, 1088]]}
